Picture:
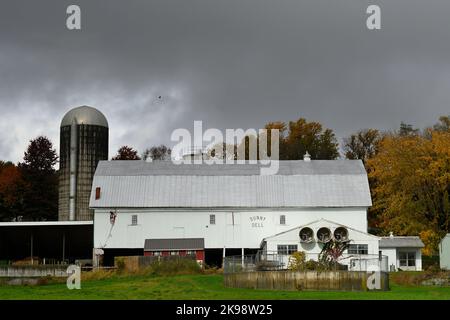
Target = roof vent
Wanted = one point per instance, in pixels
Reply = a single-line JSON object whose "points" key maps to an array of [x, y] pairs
{"points": [[307, 157]]}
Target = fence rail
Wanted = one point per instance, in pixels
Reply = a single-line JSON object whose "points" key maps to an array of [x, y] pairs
{"points": [[271, 261]]}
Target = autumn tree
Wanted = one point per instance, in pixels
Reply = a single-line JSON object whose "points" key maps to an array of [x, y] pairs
{"points": [[12, 187], [412, 184], [295, 140], [407, 130], [443, 124], [160, 152], [40, 196], [126, 153], [303, 136], [362, 144]]}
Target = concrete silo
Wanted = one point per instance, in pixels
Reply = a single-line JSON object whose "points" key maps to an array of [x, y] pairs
{"points": [[83, 143]]}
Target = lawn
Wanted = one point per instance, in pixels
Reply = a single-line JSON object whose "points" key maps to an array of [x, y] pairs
{"points": [[188, 287]]}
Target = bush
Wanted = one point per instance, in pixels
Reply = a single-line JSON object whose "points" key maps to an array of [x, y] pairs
{"points": [[416, 278], [174, 267], [120, 263], [312, 265], [297, 261]]}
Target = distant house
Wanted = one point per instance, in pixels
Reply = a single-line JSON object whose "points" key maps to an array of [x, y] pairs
{"points": [[404, 253], [444, 252]]}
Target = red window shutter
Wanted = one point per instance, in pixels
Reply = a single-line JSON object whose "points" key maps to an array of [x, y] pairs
{"points": [[97, 193]]}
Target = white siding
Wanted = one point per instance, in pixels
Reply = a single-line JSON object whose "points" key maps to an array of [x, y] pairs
{"points": [[391, 253], [248, 230]]}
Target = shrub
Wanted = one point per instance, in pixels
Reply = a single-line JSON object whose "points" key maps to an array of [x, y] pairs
{"points": [[312, 265], [120, 263], [174, 267], [297, 261]]}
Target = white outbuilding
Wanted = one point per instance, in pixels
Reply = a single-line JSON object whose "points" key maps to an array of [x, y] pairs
{"points": [[404, 253], [444, 252]]}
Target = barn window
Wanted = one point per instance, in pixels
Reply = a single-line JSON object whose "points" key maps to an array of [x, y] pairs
{"points": [[190, 253], [283, 219], [212, 219], [174, 253], [358, 249], [285, 249], [134, 220], [97, 193]]}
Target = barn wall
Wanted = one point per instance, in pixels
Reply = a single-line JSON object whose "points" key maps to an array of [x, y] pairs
{"points": [[233, 229]]}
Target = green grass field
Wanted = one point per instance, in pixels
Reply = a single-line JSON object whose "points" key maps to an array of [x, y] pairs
{"points": [[188, 287]]}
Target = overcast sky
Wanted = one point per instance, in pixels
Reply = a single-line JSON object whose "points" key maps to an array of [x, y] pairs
{"points": [[230, 63]]}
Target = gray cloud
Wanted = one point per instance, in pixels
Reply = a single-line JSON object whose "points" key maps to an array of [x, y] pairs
{"points": [[234, 63]]}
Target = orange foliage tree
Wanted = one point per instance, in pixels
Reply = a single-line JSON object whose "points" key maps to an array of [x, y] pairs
{"points": [[410, 177]]}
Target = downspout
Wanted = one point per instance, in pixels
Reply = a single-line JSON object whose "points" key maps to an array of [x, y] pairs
{"points": [[73, 169]]}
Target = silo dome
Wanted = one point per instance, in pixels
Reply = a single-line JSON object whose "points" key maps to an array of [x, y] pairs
{"points": [[85, 115]]}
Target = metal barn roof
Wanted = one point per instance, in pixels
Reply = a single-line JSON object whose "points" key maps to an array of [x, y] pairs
{"points": [[174, 244], [162, 184], [401, 242]]}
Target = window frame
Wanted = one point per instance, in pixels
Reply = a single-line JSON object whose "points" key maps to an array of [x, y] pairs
{"points": [[212, 219], [287, 250], [358, 248], [134, 219], [409, 260], [283, 219]]}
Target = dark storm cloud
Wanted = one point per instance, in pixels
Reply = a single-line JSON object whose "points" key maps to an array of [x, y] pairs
{"points": [[233, 63]]}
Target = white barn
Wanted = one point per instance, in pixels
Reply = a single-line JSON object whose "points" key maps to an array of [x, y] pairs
{"points": [[230, 206]]}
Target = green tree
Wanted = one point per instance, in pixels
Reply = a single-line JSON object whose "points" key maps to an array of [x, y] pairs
{"points": [[407, 130], [160, 152], [362, 145], [311, 137], [40, 196]]}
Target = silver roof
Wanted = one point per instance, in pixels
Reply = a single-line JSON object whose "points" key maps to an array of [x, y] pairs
{"points": [[401, 242], [174, 244], [162, 184], [84, 115]]}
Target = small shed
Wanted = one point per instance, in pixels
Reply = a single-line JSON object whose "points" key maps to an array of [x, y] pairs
{"points": [[176, 247], [444, 252], [404, 253]]}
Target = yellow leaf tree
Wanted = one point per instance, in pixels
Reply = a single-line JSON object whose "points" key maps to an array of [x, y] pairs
{"points": [[411, 184]]}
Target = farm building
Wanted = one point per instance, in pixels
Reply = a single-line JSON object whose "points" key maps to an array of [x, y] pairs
{"points": [[404, 253], [46, 242], [444, 252], [311, 238], [232, 207], [176, 247]]}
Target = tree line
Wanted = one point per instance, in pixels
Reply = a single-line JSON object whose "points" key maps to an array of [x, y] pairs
{"points": [[408, 170]]}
